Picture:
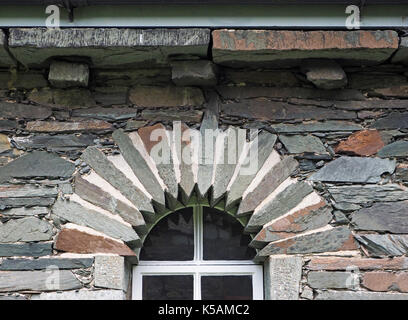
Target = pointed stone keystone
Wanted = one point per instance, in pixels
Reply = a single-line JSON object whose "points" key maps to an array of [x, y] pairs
{"points": [[108, 47], [325, 74], [332, 240], [97, 160], [249, 47], [272, 179], [139, 166], [279, 205], [230, 146], [103, 199], [78, 241], [312, 217], [194, 73], [184, 146], [208, 134], [354, 169], [67, 74], [157, 143], [259, 152], [76, 213]]}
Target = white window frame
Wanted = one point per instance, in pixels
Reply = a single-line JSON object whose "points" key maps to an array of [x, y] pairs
{"points": [[198, 267]]}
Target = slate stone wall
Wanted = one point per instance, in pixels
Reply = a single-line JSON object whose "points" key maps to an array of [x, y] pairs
{"points": [[343, 118]]}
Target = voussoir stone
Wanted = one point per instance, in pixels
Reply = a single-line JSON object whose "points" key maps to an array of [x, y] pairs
{"points": [[336, 239], [276, 47], [25, 230], [151, 97], [37, 164], [107, 47], [74, 212], [362, 143], [383, 217], [354, 169], [68, 74], [76, 241]]}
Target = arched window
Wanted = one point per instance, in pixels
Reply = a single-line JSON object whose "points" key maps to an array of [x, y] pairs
{"points": [[197, 253]]}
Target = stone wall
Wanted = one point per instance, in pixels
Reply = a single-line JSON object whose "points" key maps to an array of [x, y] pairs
{"points": [[337, 102]]}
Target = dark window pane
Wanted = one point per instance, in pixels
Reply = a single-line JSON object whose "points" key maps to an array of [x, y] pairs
{"points": [[226, 288], [168, 287], [171, 239], [223, 237]]}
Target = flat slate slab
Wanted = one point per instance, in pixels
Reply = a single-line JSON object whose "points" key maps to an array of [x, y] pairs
{"points": [[380, 245], [331, 280], [10, 110], [395, 120], [396, 149], [81, 295], [107, 47], [278, 47], [14, 196], [37, 164], [326, 126], [354, 169], [383, 217], [44, 263], [301, 144], [34, 249], [27, 229]]}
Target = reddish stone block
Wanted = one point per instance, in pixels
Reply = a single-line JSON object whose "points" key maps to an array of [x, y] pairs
{"points": [[362, 143], [72, 240], [342, 263], [386, 281]]}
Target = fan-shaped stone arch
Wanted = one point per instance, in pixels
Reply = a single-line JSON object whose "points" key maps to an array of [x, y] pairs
{"points": [[159, 170]]}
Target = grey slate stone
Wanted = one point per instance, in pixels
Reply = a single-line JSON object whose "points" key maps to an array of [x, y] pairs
{"points": [[36, 249], [332, 280], [44, 263], [111, 272], [272, 179], [24, 212], [194, 73], [384, 217], [81, 295], [324, 74], [103, 199], [396, 149], [301, 144], [325, 241], [10, 110], [75, 213], [102, 166], [354, 169], [224, 170], [107, 47], [68, 74], [326, 126], [108, 96], [282, 278], [14, 196], [108, 114], [278, 206], [379, 245], [139, 166], [172, 115], [55, 142], [401, 55], [395, 120], [369, 193], [263, 149], [11, 281], [209, 124], [359, 295], [37, 164], [25, 230]]}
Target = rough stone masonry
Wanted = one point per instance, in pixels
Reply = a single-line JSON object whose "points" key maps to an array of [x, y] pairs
{"points": [[77, 106]]}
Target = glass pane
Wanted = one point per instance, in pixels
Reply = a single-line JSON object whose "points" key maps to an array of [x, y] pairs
{"points": [[168, 287], [226, 288], [223, 237], [171, 239]]}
